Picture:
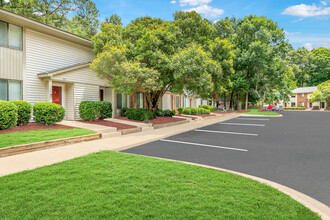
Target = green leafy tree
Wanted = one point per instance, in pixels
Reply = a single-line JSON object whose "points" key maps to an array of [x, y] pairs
{"points": [[76, 16], [322, 94], [321, 61], [114, 19]]}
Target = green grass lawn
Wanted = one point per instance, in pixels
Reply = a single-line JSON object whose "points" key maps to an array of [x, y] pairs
{"points": [[112, 185], [26, 137], [255, 112]]}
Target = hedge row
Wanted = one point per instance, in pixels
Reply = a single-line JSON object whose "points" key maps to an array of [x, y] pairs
{"points": [[208, 107], [16, 113], [316, 107], [91, 110], [193, 111], [138, 114], [328, 108], [295, 108]]}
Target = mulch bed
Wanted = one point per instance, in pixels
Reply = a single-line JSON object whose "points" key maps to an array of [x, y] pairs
{"points": [[117, 125], [158, 120], [34, 126]]}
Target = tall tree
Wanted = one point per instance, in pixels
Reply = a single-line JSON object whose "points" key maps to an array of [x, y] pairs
{"points": [[322, 94], [76, 16], [321, 61], [114, 19]]}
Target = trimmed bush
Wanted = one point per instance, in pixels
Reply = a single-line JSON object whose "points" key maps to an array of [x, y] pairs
{"points": [[316, 107], [328, 108], [48, 113], [207, 112], [194, 111], [187, 111], [122, 112], [208, 107], [8, 115], [164, 113], [180, 110], [295, 108], [91, 110], [24, 110], [139, 114]]}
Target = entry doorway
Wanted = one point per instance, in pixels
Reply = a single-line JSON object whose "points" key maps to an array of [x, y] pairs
{"points": [[57, 95]]}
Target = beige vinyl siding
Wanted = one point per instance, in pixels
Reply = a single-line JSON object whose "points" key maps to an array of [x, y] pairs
{"points": [[11, 64], [45, 53], [83, 75], [84, 92], [69, 101]]}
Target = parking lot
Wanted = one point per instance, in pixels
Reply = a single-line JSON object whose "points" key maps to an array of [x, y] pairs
{"points": [[293, 150]]}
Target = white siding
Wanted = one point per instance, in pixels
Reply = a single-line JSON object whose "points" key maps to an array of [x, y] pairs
{"points": [[167, 102], [11, 64], [45, 53], [83, 75], [69, 101], [84, 92]]}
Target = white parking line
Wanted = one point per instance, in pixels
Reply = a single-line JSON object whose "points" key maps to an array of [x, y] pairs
{"points": [[204, 145], [227, 132], [260, 119], [223, 123]]}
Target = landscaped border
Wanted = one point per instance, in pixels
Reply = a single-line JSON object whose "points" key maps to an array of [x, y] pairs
{"points": [[25, 148]]}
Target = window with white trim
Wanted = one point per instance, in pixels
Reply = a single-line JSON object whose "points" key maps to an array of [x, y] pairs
{"points": [[10, 90], [11, 36], [302, 104], [121, 100]]}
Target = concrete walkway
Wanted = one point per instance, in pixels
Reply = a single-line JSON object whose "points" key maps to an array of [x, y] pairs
{"points": [[28, 161]]}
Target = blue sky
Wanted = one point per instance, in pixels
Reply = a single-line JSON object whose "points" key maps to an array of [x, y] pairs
{"points": [[307, 23]]}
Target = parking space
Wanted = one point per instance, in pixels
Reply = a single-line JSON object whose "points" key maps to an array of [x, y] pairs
{"points": [[293, 150]]}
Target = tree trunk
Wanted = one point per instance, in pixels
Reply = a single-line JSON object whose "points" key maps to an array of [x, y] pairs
{"points": [[153, 99], [225, 101], [231, 101], [246, 100], [239, 103]]}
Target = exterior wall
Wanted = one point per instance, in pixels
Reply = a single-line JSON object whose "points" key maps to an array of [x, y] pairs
{"points": [[45, 53], [84, 92], [69, 101], [301, 99], [11, 63], [167, 102]]}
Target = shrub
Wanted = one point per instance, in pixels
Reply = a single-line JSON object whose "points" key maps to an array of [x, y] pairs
{"points": [[328, 108], [122, 112], [47, 113], [165, 113], [139, 114], [208, 107], [180, 110], [295, 108], [194, 111], [8, 115], [187, 111], [159, 113], [91, 110], [207, 112], [24, 110]]}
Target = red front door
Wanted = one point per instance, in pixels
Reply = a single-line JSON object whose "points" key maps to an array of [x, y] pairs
{"points": [[310, 105], [57, 95]]}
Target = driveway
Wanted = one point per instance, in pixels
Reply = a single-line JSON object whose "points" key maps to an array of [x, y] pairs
{"points": [[293, 150]]}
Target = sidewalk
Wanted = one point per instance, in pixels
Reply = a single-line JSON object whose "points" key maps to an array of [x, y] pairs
{"points": [[28, 161]]}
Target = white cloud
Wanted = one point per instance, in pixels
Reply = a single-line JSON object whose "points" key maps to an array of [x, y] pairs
{"points": [[291, 33], [172, 2], [303, 10], [323, 3], [194, 2], [308, 46], [207, 11]]}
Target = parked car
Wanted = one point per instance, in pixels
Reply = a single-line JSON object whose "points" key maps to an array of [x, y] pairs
{"points": [[278, 108], [267, 107]]}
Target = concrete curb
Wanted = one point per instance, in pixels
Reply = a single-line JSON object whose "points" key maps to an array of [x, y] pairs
{"points": [[272, 116], [314, 205], [157, 126]]}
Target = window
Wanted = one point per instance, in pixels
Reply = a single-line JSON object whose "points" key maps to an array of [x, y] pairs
{"points": [[302, 104], [301, 95], [10, 90], [293, 104], [121, 101], [184, 101], [139, 100], [11, 36], [176, 101], [293, 96]]}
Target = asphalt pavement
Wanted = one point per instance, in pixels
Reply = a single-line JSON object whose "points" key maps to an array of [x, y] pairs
{"points": [[293, 150]]}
